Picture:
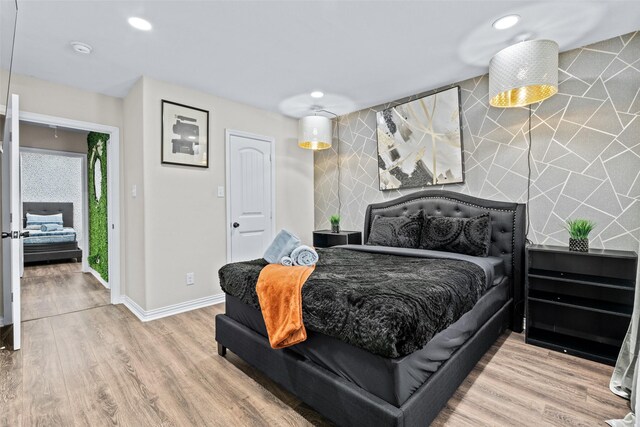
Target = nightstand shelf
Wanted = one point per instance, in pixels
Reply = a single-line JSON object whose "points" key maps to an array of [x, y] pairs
{"points": [[585, 279], [327, 238], [579, 303], [585, 348]]}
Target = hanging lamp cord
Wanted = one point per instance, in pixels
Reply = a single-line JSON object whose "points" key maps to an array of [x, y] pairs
{"points": [[526, 236], [337, 154], [13, 45]]}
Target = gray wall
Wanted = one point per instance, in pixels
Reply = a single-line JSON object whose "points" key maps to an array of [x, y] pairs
{"points": [[35, 136], [585, 150]]}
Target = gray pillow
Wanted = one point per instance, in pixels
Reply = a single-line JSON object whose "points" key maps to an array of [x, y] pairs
{"points": [[397, 231], [469, 236]]}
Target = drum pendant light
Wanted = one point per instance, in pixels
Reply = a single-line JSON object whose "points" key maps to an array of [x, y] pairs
{"points": [[523, 74], [314, 133]]}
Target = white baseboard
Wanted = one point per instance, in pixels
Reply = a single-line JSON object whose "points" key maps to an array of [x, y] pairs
{"points": [[170, 310], [97, 276]]}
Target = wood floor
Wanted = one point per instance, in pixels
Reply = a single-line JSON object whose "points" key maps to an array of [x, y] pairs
{"points": [[102, 367], [58, 288]]}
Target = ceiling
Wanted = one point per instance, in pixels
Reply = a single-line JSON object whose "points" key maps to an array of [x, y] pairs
{"points": [[271, 54]]}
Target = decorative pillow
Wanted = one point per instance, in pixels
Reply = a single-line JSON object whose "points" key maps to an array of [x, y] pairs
{"points": [[470, 236], [397, 231], [33, 219]]}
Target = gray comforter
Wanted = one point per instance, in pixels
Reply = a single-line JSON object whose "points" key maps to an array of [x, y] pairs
{"points": [[376, 298]]}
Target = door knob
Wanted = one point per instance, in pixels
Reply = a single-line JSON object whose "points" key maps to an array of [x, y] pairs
{"points": [[5, 234], [236, 225], [24, 234]]}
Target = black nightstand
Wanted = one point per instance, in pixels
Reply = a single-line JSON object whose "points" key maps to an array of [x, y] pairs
{"points": [[326, 238], [580, 303]]}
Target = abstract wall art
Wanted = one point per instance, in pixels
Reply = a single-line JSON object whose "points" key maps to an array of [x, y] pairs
{"points": [[420, 142], [185, 135]]}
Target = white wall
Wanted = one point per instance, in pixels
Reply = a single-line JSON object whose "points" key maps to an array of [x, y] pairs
{"points": [[40, 96], [184, 220], [133, 220]]}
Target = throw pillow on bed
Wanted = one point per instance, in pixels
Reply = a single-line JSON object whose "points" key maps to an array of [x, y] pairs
{"points": [[39, 220], [469, 236], [397, 231]]}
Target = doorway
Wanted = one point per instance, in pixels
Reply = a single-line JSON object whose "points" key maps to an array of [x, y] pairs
{"points": [[250, 173], [112, 169], [58, 277], [112, 165]]}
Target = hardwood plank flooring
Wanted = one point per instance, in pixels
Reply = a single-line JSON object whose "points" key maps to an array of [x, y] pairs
{"points": [[58, 288], [101, 366]]}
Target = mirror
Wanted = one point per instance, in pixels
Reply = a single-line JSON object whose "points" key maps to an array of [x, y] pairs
{"points": [[97, 179]]}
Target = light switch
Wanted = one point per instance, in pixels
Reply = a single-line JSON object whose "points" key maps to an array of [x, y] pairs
{"points": [[220, 191], [134, 191]]}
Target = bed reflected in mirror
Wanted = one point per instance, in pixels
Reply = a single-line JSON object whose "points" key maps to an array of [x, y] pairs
{"points": [[97, 179]]}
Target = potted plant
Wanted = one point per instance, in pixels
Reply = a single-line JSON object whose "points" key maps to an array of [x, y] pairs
{"points": [[335, 223], [579, 230]]}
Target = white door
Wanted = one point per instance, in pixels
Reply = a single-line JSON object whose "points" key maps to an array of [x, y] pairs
{"points": [[11, 219], [249, 195]]}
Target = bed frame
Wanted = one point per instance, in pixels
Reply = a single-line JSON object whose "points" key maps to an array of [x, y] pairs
{"points": [[347, 404], [51, 252]]}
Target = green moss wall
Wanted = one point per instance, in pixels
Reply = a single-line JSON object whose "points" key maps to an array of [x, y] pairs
{"points": [[98, 220]]}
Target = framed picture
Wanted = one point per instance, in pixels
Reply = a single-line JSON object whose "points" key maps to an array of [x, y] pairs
{"points": [[185, 135], [420, 142]]}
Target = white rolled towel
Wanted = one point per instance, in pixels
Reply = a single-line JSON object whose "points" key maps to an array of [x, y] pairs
{"points": [[286, 261], [304, 255], [284, 243]]}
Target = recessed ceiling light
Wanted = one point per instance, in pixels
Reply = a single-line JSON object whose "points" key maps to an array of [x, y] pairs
{"points": [[82, 48], [139, 23], [317, 94], [506, 22]]}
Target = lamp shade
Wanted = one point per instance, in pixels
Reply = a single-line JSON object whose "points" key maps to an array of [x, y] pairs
{"points": [[314, 133], [523, 74]]}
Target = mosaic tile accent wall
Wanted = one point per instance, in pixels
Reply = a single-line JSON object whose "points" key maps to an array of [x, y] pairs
{"points": [[51, 178], [585, 151]]}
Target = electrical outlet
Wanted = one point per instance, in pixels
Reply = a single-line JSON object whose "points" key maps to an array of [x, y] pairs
{"points": [[191, 278]]}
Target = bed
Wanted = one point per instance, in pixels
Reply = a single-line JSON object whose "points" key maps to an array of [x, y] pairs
{"points": [[359, 381], [42, 246]]}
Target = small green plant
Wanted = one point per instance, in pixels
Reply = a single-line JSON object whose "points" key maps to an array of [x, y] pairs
{"points": [[334, 219], [579, 228]]}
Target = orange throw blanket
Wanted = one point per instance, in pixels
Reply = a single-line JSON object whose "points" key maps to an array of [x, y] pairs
{"points": [[279, 290]]}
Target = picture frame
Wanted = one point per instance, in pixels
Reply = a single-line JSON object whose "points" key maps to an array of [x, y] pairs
{"points": [[184, 135], [420, 142]]}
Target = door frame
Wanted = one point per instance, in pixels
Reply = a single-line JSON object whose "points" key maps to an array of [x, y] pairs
{"points": [[113, 185], [227, 143], [85, 196]]}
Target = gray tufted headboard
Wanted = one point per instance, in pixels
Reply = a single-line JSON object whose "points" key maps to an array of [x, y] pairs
{"points": [[49, 208], [508, 222]]}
